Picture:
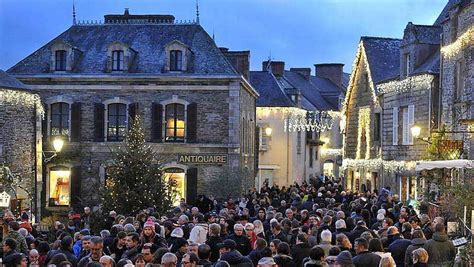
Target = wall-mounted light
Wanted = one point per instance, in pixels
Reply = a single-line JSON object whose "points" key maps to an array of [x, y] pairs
{"points": [[268, 131], [415, 131]]}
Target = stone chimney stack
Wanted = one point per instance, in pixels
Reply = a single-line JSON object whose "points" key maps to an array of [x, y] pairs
{"points": [[240, 60], [276, 67], [305, 72], [331, 71]]}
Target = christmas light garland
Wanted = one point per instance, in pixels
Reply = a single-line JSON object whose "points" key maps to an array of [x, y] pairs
{"points": [[331, 152], [21, 98], [461, 43], [373, 164], [364, 127], [420, 82]]}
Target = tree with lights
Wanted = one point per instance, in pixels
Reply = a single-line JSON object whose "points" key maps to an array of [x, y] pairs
{"points": [[134, 180]]}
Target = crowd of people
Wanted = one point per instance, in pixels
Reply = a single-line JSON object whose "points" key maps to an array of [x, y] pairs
{"points": [[312, 224]]}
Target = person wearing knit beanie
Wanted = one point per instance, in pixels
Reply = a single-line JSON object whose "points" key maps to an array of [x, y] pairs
{"points": [[345, 259]]}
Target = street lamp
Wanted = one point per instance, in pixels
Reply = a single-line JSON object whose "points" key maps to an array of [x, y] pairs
{"points": [[57, 145], [268, 131], [415, 131]]}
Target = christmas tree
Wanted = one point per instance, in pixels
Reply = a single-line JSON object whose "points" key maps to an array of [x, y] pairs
{"points": [[134, 180]]}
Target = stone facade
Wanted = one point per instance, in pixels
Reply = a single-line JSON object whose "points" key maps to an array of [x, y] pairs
{"points": [[457, 69]]}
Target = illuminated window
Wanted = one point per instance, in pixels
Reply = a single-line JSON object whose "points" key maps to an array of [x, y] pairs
{"points": [[176, 60], [117, 121], [175, 123], [60, 58], [59, 186], [328, 169], [177, 177], [117, 60], [59, 119]]}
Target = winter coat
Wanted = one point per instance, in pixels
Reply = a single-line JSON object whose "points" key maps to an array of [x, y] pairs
{"points": [[326, 246], [20, 241], [415, 244], [398, 249], [131, 254], [440, 249], [284, 261], [281, 236], [243, 244], [354, 234], [299, 252], [212, 242], [255, 256], [366, 258], [234, 257], [10, 257], [77, 247], [313, 263], [69, 255], [198, 234]]}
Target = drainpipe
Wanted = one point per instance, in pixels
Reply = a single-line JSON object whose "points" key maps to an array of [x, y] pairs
{"points": [[288, 150], [35, 195]]}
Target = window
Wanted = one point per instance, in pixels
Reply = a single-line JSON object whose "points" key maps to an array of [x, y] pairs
{"points": [[117, 60], [176, 60], [311, 153], [175, 123], [59, 119], [459, 79], [407, 64], [395, 126], [408, 114], [59, 186], [60, 60], [116, 121], [377, 129], [366, 81]]}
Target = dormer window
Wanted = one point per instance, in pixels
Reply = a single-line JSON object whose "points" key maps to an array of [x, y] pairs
{"points": [[407, 64], [176, 60], [117, 60], [60, 60]]}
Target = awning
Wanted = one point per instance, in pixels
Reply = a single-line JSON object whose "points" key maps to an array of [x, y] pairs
{"points": [[444, 164]]}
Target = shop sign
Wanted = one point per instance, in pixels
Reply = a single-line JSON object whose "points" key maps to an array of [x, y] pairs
{"points": [[217, 159]]}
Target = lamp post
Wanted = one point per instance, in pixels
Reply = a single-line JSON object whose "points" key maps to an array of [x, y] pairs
{"points": [[58, 144]]}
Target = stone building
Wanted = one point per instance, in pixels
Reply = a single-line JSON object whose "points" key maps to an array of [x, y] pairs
{"points": [[457, 73], [198, 111], [293, 147], [20, 139], [377, 59], [410, 99]]}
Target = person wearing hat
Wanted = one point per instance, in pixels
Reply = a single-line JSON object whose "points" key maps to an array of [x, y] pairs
{"points": [[378, 224], [341, 228], [149, 235], [230, 254], [344, 259]]}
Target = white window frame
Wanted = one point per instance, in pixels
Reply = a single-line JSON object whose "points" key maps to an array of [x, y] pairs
{"points": [[115, 100], [395, 126], [408, 114], [58, 99], [174, 100], [407, 64]]}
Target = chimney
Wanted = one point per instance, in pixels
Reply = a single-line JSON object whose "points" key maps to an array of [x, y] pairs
{"points": [[331, 71], [126, 13], [240, 60], [305, 72], [276, 67]]}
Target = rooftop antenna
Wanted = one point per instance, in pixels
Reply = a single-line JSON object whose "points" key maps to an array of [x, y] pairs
{"points": [[73, 13], [197, 11], [269, 62], [213, 36]]}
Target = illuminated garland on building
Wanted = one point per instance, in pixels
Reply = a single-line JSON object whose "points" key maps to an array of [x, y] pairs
{"points": [[461, 43], [21, 98], [364, 127], [420, 82], [376, 164], [331, 152]]}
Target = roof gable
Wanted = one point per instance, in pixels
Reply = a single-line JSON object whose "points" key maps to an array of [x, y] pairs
{"points": [[383, 57]]}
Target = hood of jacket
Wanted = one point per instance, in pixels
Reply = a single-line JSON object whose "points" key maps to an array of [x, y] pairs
{"points": [[440, 237], [418, 241]]}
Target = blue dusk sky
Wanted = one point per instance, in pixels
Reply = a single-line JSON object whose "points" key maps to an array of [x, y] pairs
{"points": [[299, 32]]}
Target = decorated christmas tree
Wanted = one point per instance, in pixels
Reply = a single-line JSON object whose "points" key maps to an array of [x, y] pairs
{"points": [[134, 180]]}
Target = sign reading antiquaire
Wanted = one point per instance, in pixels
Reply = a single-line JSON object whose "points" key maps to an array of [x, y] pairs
{"points": [[203, 158]]}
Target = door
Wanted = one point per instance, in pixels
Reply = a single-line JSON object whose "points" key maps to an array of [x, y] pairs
{"points": [[178, 176]]}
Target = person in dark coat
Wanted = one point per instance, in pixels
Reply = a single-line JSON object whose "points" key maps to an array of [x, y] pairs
{"points": [[66, 249], [283, 258], [242, 241], [276, 232], [133, 248], [440, 249], [398, 248], [392, 235], [365, 258], [231, 255], [10, 256], [418, 241], [301, 250], [213, 240], [357, 231], [340, 229], [256, 254], [118, 246], [204, 255]]}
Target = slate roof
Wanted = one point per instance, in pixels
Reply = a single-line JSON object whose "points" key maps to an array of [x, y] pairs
{"points": [[426, 34], [147, 40], [8, 82], [271, 95], [445, 12], [430, 66], [383, 56]]}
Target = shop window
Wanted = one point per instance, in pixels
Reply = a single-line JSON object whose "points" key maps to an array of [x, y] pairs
{"points": [[59, 119], [175, 123], [176, 176], [59, 186], [116, 121]]}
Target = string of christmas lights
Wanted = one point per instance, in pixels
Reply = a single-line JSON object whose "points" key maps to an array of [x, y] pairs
{"points": [[374, 164], [364, 128], [461, 43], [420, 82], [20, 98]]}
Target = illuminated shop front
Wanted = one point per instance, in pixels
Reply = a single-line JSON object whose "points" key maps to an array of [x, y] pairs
{"points": [[59, 186]]}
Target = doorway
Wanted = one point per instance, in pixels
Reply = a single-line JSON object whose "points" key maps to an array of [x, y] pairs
{"points": [[178, 176]]}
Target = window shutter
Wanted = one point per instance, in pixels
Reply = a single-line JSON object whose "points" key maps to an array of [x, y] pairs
{"points": [[411, 122], [132, 113], [191, 124], [257, 146], [44, 126], [99, 121], [157, 123], [191, 186], [75, 195], [395, 126], [405, 126], [76, 122]]}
